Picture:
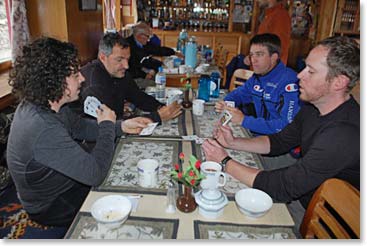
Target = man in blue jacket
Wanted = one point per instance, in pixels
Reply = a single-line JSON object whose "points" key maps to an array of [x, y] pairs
{"points": [[272, 90]]}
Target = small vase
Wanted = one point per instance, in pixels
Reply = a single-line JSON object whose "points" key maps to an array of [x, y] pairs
{"points": [[186, 103], [186, 203]]}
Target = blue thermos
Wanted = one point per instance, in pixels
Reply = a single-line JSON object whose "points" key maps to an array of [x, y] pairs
{"points": [[214, 84], [204, 87], [190, 53]]}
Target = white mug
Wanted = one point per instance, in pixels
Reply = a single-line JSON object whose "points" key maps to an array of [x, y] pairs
{"points": [[182, 69], [198, 107], [148, 172], [212, 172]]}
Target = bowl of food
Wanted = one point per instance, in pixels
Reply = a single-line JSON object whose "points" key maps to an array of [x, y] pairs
{"points": [[111, 210], [253, 203]]}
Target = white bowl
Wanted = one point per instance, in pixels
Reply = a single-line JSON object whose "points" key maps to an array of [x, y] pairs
{"points": [[111, 210], [253, 202]]}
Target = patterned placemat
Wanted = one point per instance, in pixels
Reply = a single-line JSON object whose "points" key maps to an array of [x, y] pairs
{"points": [[225, 231], [205, 124], [171, 128], [123, 174], [174, 128], [136, 228]]}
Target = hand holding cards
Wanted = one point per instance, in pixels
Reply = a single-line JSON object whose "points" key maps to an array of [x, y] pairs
{"points": [[225, 117], [149, 129], [91, 104]]}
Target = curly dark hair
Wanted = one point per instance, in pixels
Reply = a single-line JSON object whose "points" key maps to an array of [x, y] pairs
{"points": [[39, 74]]}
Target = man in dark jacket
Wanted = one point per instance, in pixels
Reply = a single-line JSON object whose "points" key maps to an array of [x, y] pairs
{"points": [[107, 79], [141, 63]]}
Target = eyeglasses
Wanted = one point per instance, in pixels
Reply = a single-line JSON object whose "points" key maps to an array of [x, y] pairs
{"points": [[146, 35], [257, 54]]}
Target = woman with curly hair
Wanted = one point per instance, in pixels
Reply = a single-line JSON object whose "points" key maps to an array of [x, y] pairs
{"points": [[51, 172]]}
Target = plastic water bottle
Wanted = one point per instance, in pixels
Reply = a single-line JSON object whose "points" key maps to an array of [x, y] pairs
{"points": [[190, 53], [160, 85], [182, 40], [204, 87], [214, 84]]}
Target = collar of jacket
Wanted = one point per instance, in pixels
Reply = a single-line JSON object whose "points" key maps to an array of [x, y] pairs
{"points": [[272, 73]]}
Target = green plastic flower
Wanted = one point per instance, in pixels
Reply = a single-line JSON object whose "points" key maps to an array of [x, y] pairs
{"points": [[191, 176]]}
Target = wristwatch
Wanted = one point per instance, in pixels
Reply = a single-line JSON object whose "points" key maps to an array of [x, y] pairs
{"points": [[223, 163]]}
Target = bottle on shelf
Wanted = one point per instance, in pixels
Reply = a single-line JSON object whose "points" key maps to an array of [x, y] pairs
{"points": [[160, 85]]}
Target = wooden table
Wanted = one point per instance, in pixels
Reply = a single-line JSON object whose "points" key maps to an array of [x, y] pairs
{"points": [[149, 220]]}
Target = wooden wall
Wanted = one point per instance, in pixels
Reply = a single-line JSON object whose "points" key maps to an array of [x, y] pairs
{"points": [[63, 20], [85, 29], [47, 18]]}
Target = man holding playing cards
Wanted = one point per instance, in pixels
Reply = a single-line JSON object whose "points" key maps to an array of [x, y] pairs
{"points": [[107, 79], [272, 91], [51, 172], [327, 128]]}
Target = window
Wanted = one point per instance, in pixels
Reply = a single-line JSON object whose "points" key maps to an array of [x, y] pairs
{"points": [[5, 45]]}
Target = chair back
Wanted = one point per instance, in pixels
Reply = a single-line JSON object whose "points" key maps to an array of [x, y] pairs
{"points": [[221, 58], [239, 76], [333, 212]]}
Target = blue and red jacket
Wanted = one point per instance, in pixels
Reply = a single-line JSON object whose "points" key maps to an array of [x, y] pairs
{"points": [[275, 97]]}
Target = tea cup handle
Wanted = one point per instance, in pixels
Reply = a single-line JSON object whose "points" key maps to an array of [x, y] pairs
{"points": [[223, 180]]}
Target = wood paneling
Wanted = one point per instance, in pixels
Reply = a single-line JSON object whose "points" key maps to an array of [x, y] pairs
{"points": [[84, 29], [326, 19], [47, 18], [63, 20]]}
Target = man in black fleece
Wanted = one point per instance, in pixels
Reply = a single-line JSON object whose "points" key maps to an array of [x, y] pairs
{"points": [[107, 79]]}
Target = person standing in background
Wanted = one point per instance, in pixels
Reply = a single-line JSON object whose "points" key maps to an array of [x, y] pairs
{"points": [[274, 19]]}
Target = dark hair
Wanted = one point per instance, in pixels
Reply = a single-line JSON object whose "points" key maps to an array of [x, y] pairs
{"points": [[343, 58], [109, 40], [269, 40], [39, 74]]}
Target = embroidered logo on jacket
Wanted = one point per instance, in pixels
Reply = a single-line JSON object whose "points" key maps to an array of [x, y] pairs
{"points": [[258, 88], [291, 87]]}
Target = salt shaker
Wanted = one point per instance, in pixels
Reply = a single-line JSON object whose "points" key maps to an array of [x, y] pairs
{"points": [[171, 197]]}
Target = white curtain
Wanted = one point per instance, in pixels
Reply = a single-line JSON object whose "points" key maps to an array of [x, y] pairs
{"points": [[110, 8], [19, 27]]}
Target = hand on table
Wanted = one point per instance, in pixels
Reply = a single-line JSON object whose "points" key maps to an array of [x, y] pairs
{"points": [[179, 54], [135, 125], [170, 111]]}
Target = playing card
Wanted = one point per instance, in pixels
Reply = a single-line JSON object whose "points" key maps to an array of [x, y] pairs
{"points": [[149, 129], [230, 104], [225, 117], [91, 104], [190, 137]]}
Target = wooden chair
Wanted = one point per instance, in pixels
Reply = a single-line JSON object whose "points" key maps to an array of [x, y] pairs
{"points": [[221, 58], [242, 74], [334, 212]]}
